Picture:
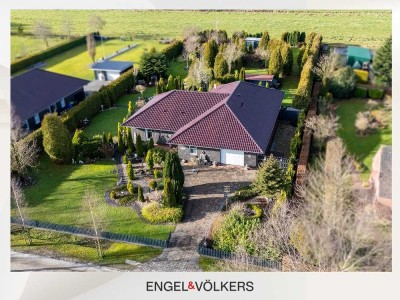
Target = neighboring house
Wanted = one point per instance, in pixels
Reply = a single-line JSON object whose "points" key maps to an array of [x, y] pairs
{"points": [[381, 176], [38, 92], [356, 57], [253, 41], [263, 78], [109, 70], [233, 123]]}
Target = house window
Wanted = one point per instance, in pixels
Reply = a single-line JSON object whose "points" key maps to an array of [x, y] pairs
{"points": [[149, 134], [62, 103], [37, 119], [192, 150]]}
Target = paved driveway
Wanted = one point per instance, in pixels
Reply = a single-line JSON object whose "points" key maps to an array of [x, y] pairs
{"points": [[205, 190]]}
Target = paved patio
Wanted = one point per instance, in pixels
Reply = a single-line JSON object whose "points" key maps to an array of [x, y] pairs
{"points": [[205, 190]]}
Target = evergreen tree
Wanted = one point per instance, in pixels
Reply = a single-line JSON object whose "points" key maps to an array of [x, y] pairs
{"points": [[242, 74], [121, 145], [383, 62], [275, 62], [151, 144], [250, 49], [129, 171], [153, 63], [173, 171], [300, 57], [287, 59], [285, 37], [77, 141], [140, 196], [131, 109], [264, 40], [220, 66], [104, 139], [270, 179], [139, 146], [56, 139], [168, 194], [110, 139], [149, 159], [210, 52], [129, 187], [130, 145], [170, 84]]}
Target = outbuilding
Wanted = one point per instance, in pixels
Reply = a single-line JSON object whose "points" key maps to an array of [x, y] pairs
{"points": [[109, 70]]}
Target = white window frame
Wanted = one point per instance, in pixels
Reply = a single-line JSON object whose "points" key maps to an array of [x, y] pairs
{"points": [[190, 150], [147, 134], [62, 103], [36, 117]]}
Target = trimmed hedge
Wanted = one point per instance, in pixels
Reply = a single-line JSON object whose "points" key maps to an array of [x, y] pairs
{"points": [[28, 61], [361, 76], [244, 193], [360, 92], [155, 213], [376, 93], [173, 50]]}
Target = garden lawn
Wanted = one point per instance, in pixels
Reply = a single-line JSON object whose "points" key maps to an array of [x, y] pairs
{"points": [[76, 62], [57, 198], [124, 100], [362, 147], [106, 121], [62, 245], [289, 86], [177, 68]]}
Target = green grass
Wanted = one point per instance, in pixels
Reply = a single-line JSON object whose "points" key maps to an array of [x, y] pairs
{"points": [[106, 121], [366, 28], [362, 147], [136, 53], [76, 62], [62, 245], [208, 264], [22, 46], [289, 86], [177, 68], [57, 198]]}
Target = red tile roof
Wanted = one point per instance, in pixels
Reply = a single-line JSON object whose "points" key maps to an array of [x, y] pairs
{"points": [[242, 117], [260, 77]]}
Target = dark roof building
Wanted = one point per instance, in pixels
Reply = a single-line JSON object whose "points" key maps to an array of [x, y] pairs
{"points": [[110, 69], [238, 116], [38, 92]]}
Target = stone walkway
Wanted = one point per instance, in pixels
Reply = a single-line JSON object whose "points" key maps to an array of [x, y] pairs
{"points": [[206, 198]]}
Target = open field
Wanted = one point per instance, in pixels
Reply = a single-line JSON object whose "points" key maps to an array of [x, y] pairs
{"points": [[366, 28], [22, 46], [57, 198], [362, 147]]}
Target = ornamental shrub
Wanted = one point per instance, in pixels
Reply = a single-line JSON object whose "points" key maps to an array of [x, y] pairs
{"points": [[361, 76], [140, 196], [376, 93], [342, 83], [360, 92], [244, 193], [129, 171], [149, 159], [155, 213], [157, 173], [258, 212], [130, 188], [153, 184], [112, 194]]}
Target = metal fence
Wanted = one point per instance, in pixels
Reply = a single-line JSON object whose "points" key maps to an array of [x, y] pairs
{"points": [[266, 263], [89, 233]]}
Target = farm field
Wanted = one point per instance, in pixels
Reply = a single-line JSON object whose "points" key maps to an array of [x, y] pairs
{"points": [[365, 28], [57, 198], [362, 147], [22, 46]]}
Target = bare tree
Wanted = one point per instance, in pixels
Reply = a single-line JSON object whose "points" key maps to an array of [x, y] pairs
{"points": [[140, 89], [326, 66], [199, 74], [24, 153], [191, 44], [91, 46], [264, 54], [92, 203], [337, 232], [42, 30], [96, 24], [362, 122], [323, 127], [232, 53], [68, 27], [17, 195]]}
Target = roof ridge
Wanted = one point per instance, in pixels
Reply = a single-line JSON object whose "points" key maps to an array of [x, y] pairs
{"points": [[46, 71]]}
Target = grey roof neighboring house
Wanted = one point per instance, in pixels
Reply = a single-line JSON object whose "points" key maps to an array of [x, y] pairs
{"points": [[112, 65], [35, 90], [385, 174]]}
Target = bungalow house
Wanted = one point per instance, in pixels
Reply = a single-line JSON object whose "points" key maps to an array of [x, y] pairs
{"points": [[233, 123], [381, 176], [38, 92], [263, 78], [109, 70], [253, 41]]}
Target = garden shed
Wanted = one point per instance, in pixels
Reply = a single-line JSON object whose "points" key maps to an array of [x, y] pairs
{"points": [[358, 54], [109, 70]]}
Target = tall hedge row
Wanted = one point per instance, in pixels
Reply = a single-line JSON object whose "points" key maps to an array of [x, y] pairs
{"points": [[28, 61], [91, 105], [173, 50]]}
